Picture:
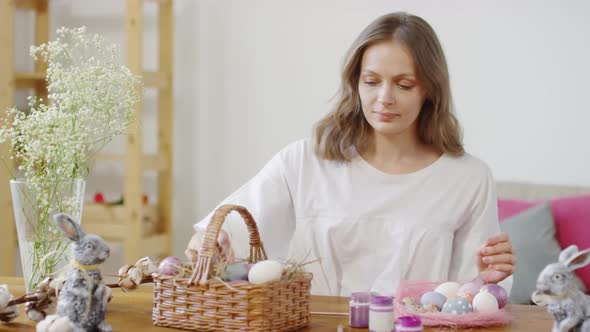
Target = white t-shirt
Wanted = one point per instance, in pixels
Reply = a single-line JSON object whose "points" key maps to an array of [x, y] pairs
{"points": [[369, 228]]}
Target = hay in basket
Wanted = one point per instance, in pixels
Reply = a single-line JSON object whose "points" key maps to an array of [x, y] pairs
{"points": [[415, 289], [204, 303]]}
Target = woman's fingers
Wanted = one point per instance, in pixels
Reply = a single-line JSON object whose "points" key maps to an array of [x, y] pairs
{"points": [[508, 268], [500, 259], [499, 248], [498, 238]]}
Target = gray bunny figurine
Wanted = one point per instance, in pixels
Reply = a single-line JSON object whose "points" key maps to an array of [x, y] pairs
{"points": [[83, 298], [556, 288]]}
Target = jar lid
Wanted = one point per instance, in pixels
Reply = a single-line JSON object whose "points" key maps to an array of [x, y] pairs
{"points": [[360, 297], [382, 300], [409, 321]]}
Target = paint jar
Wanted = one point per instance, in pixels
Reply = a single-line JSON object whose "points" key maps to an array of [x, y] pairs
{"points": [[359, 309], [381, 317]]}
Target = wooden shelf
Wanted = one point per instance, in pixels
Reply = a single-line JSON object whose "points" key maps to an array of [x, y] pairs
{"points": [[7, 226], [156, 163], [143, 229], [159, 2], [26, 4], [157, 80], [28, 80], [110, 220]]}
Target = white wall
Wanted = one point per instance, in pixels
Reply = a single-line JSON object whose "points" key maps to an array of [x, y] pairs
{"points": [[252, 76]]}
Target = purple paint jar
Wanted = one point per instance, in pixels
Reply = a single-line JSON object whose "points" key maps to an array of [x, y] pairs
{"points": [[359, 309], [381, 314], [408, 324]]}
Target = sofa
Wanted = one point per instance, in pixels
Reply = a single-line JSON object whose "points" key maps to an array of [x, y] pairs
{"points": [[541, 220]]}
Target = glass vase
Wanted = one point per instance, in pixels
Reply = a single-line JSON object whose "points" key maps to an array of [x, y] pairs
{"points": [[44, 250]]}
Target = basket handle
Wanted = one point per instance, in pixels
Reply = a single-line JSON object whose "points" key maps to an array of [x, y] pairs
{"points": [[209, 243]]}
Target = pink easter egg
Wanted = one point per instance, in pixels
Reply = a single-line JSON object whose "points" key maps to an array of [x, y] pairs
{"points": [[470, 288]]}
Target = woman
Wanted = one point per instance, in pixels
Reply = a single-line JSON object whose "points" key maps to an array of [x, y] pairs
{"points": [[384, 192]]}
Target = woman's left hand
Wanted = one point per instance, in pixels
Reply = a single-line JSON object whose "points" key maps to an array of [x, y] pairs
{"points": [[495, 259]]}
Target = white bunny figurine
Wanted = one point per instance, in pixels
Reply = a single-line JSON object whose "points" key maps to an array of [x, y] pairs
{"points": [[557, 290], [83, 298]]}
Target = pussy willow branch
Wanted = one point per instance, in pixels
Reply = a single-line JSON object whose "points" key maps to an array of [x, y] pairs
{"points": [[30, 297], [36, 295]]}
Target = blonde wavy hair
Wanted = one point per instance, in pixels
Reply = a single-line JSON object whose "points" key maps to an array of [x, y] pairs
{"points": [[346, 126]]}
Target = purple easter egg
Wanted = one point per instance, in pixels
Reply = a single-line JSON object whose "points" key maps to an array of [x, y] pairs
{"points": [[499, 293], [169, 266]]}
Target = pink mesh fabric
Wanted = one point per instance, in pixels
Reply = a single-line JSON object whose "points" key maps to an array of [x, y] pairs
{"points": [[415, 289]]}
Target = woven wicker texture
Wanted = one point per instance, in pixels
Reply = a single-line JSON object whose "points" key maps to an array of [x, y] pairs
{"points": [[209, 305]]}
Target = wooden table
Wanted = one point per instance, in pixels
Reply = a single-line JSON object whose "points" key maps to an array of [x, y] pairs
{"points": [[133, 312]]}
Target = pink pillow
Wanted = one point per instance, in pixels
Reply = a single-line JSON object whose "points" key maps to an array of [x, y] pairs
{"points": [[572, 222]]}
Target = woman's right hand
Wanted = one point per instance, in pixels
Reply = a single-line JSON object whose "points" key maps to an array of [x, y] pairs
{"points": [[223, 242]]}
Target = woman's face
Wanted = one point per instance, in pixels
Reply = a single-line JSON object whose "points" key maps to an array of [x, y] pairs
{"points": [[391, 96]]}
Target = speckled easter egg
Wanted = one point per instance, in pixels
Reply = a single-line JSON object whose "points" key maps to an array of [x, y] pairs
{"points": [[457, 306], [407, 301], [448, 289], [431, 308], [467, 297], [435, 298], [485, 302], [499, 293]]}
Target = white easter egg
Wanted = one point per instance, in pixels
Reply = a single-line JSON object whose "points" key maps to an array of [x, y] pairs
{"points": [[265, 271], [485, 302], [448, 289]]}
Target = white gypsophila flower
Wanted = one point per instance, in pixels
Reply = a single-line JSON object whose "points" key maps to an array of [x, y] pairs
{"points": [[91, 99]]}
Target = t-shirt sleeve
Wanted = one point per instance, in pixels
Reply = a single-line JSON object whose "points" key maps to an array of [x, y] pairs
{"points": [[268, 198], [480, 224]]}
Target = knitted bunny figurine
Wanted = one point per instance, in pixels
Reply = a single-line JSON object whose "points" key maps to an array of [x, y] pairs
{"points": [[569, 306], [83, 298]]}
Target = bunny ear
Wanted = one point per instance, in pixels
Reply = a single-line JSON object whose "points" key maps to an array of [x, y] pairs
{"points": [[578, 260], [568, 253], [69, 227]]}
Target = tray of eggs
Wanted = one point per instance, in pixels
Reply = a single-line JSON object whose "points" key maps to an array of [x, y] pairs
{"points": [[471, 304]]}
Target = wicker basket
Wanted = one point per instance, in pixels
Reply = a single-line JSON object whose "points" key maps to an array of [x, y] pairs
{"points": [[210, 305]]}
